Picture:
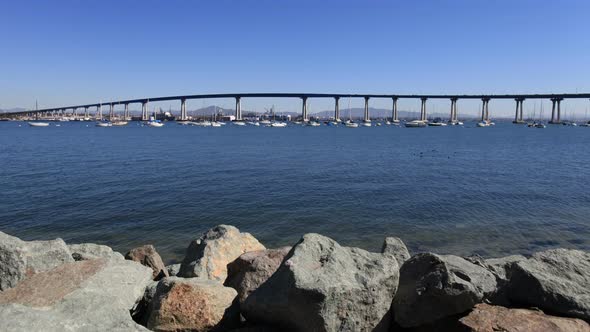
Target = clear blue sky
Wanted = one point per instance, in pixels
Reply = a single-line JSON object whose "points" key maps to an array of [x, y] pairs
{"points": [[69, 52]]}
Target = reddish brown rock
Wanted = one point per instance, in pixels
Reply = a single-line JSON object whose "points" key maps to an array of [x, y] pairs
{"points": [[148, 256], [47, 288], [193, 305], [253, 268], [20, 259], [90, 295], [488, 318]]}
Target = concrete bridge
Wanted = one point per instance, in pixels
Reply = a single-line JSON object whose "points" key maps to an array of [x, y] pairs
{"points": [[485, 114]]}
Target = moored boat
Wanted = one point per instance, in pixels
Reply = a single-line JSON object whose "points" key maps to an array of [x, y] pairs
{"points": [[38, 124], [155, 123], [415, 124], [120, 123]]}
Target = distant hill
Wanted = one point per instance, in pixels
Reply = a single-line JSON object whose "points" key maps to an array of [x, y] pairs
{"points": [[12, 110], [344, 113]]}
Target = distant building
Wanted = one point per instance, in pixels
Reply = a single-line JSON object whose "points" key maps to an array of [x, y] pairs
{"points": [[229, 118]]}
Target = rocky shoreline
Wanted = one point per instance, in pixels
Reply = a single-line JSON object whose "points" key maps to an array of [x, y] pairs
{"points": [[228, 281]]}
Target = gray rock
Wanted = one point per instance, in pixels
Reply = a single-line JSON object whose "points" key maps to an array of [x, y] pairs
{"points": [[322, 286], [173, 269], [92, 295], [192, 304], [396, 247], [432, 287], [501, 269], [500, 266], [556, 280], [86, 251], [208, 256], [253, 268], [148, 256], [19, 259]]}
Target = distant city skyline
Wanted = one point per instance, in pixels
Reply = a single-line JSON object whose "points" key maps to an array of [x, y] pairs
{"points": [[69, 52]]}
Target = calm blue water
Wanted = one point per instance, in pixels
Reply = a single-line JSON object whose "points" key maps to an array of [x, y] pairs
{"points": [[490, 191]]}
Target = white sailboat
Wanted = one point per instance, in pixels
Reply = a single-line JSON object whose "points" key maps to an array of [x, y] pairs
{"points": [[153, 122], [349, 123], [38, 124], [415, 124]]}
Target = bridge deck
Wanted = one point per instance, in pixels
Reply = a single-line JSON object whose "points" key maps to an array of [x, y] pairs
{"points": [[315, 95]]}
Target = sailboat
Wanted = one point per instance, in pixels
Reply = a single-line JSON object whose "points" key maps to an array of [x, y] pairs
{"points": [[587, 123], [415, 124], [38, 124], [153, 122], [214, 122], [275, 123], [265, 122], [349, 123], [540, 124]]}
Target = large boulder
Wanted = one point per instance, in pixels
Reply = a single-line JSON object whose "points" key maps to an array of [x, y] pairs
{"points": [[253, 268], [396, 247], [322, 286], [556, 280], [87, 251], [193, 304], [208, 256], [148, 256], [489, 318], [20, 259], [90, 295], [432, 287]]}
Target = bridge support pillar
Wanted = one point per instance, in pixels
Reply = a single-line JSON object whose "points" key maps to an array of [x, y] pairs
{"points": [[111, 112], [86, 115], [304, 109], [559, 109], [337, 109], [99, 111], [552, 110], [144, 111], [453, 118], [126, 112], [556, 111], [485, 111], [394, 115], [238, 109], [367, 118], [518, 115], [183, 115], [423, 109]]}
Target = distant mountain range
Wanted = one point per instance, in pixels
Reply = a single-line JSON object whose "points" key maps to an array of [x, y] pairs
{"points": [[12, 110], [344, 113]]}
